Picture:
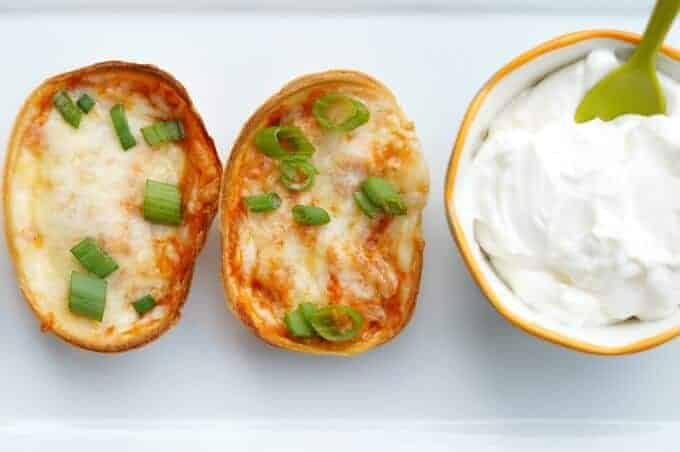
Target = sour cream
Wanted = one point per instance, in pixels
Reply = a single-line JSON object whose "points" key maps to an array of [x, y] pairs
{"points": [[582, 221]]}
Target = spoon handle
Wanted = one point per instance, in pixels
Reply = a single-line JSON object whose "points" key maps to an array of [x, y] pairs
{"points": [[656, 31]]}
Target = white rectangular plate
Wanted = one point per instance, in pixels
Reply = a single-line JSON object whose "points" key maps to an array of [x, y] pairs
{"points": [[458, 378]]}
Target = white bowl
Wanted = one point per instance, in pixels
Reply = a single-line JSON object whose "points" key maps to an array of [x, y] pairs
{"points": [[522, 72]]}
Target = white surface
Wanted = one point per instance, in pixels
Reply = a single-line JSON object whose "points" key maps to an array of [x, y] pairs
{"points": [[457, 364], [466, 207], [354, 6]]}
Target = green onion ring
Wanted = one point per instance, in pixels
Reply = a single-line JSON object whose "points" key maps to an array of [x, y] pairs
{"points": [[331, 322], [292, 168], [297, 323], [357, 115], [268, 141]]}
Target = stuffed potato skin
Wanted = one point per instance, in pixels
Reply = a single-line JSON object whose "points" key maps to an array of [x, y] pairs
{"points": [[79, 182], [270, 264]]}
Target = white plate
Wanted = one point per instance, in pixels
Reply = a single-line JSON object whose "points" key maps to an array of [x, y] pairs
{"points": [[459, 377]]}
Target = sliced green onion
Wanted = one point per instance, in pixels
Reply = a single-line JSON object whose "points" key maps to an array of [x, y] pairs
{"points": [[281, 141], [120, 124], [85, 103], [93, 258], [365, 204], [62, 101], [87, 296], [307, 309], [337, 323], [339, 113], [381, 193], [163, 132], [144, 304], [395, 206], [263, 203], [298, 325], [310, 215], [162, 203], [297, 173]]}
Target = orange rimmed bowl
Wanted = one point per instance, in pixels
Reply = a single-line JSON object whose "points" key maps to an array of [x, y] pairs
{"points": [[521, 73]]}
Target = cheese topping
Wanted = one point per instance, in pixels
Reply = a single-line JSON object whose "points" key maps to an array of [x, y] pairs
{"points": [[353, 260], [74, 183]]}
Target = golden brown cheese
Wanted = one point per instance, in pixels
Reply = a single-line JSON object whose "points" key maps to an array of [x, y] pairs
{"points": [[271, 264], [64, 184]]}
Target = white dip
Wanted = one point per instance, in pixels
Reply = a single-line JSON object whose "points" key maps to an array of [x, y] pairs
{"points": [[582, 221]]}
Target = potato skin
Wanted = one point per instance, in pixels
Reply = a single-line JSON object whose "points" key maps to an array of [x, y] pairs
{"points": [[205, 169], [231, 285]]}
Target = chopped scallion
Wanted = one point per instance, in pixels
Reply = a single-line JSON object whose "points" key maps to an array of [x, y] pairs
{"points": [[283, 141], [298, 325], [339, 113], [94, 258], [365, 204], [337, 322], [297, 173], [144, 304], [162, 203], [85, 103], [307, 309], [310, 215], [120, 124], [395, 206], [87, 296], [68, 110], [382, 194], [163, 132], [262, 203]]}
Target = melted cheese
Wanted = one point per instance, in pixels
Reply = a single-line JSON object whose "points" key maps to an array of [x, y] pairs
{"points": [[368, 264], [76, 183]]}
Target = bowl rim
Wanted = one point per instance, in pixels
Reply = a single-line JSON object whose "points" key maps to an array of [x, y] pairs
{"points": [[456, 228]]}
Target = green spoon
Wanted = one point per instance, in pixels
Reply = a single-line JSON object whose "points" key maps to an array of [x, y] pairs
{"points": [[634, 87]]}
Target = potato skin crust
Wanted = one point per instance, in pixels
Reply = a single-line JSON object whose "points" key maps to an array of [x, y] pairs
{"points": [[243, 311], [204, 169]]}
